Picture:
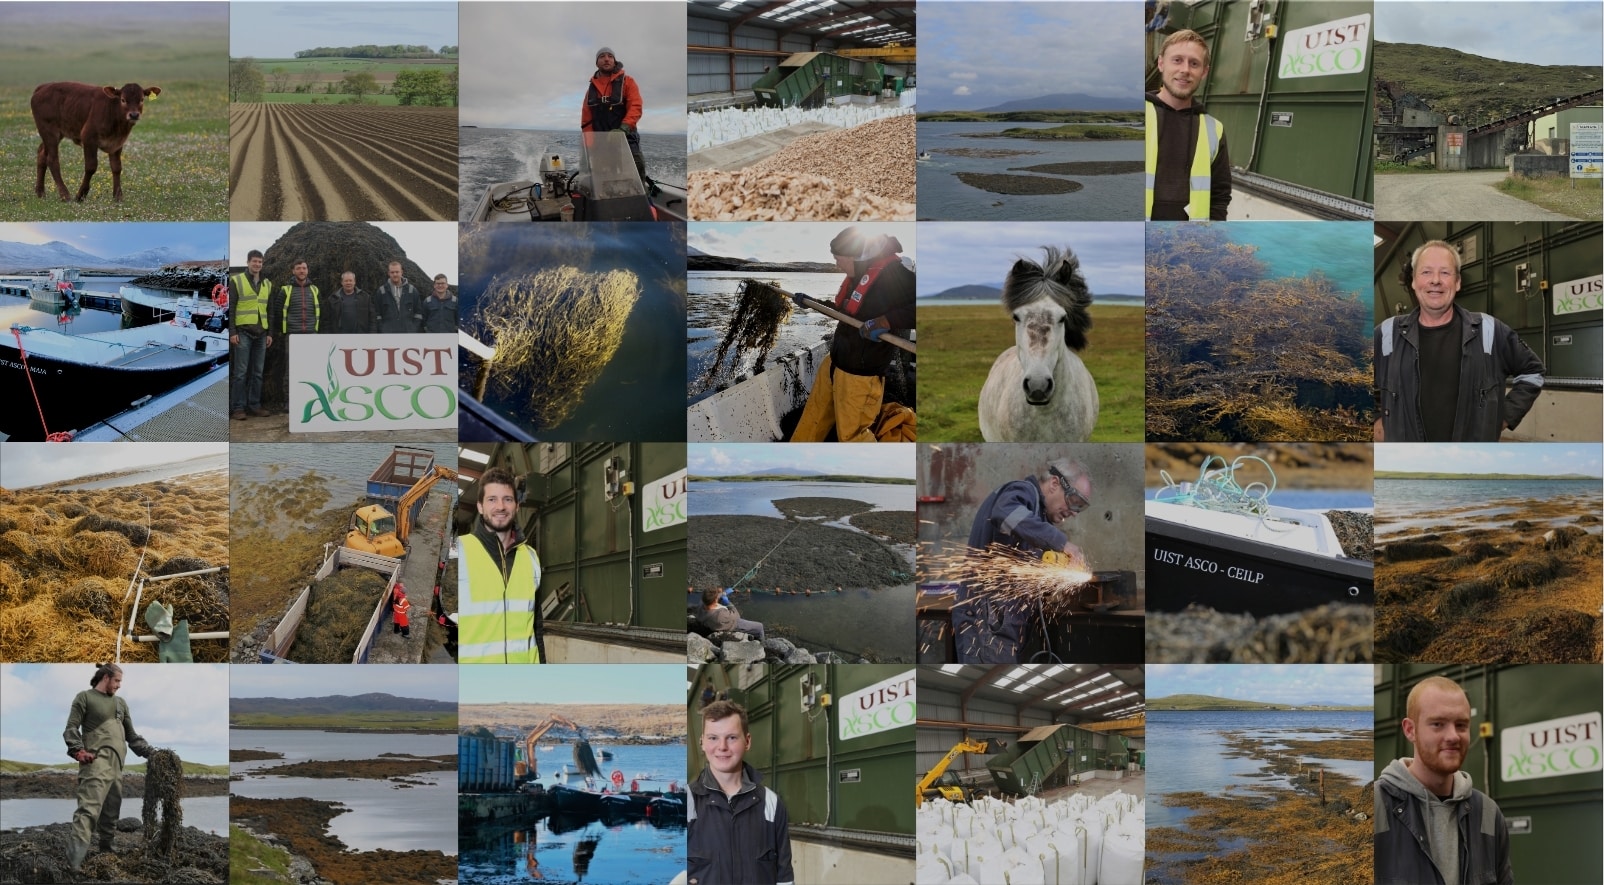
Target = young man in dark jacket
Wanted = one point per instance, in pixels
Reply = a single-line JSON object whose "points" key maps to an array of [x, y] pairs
{"points": [[399, 305], [440, 308], [1431, 826], [739, 833], [879, 290]]}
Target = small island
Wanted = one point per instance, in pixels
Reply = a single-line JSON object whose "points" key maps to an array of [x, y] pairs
{"points": [[1067, 132], [1201, 702]]}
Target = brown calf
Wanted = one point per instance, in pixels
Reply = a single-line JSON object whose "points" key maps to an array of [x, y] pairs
{"points": [[98, 117]]}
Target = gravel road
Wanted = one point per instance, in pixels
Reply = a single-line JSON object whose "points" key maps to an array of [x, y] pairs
{"points": [[1453, 196]]}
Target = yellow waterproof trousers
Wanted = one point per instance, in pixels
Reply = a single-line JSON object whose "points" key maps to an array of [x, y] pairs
{"points": [[849, 403]]}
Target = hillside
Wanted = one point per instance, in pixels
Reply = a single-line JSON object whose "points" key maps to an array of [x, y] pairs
{"points": [[1210, 702], [600, 721], [1480, 89]]}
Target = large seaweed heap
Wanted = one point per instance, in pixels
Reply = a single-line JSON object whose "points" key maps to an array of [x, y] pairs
{"points": [[554, 332], [760, 313], [1235, 355]]}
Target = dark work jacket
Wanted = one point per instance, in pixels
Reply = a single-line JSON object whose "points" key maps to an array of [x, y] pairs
{"points": [[739, 840], [1172, 185], [986, 630], [407, 316], [891, 296], [1402, 838], [439, 314], [354, 313], [1483, 406]]}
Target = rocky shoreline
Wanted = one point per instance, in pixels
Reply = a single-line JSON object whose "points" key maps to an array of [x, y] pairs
{"points": [[301, 825], [63, 784]]}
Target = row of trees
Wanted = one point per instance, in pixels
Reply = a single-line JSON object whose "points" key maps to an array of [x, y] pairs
{"points": [[429, 87], [368, 50]]}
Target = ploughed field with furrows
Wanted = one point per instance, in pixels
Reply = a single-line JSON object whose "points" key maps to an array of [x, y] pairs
{"points": [[295, 162]]}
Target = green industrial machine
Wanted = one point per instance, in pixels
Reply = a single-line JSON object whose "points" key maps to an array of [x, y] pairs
{"points": [[809, 79], [1535, 749], [609, 522], [837, 742], [1044, 757], [1291, 81]]}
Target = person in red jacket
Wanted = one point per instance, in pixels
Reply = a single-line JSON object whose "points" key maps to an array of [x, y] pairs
{"points": [[400, 609], [612, 101]]}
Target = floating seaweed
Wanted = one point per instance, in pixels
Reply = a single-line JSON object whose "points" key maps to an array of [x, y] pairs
{"points": [[554, 332], [761, 311], [1234, 354]]}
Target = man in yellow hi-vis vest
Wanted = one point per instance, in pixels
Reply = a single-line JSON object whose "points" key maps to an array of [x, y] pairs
{"points": [[498, 619], [248, 294], [1188, 167]]}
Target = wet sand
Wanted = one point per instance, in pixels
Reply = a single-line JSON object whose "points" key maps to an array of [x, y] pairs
{"points": [[303, 825], [1314, 842], [1480, 584]]}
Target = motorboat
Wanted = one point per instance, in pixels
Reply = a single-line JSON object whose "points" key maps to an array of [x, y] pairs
{"points": [[602, 186]]}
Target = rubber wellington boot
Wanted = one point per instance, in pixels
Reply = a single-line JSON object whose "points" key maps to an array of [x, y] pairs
{"points": [[76, 852]]}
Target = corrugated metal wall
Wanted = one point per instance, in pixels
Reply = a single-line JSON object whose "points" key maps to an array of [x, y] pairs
{"points": [[710, 72]]}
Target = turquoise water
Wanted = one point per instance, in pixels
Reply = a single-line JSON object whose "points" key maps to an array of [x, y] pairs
{"points": [[1341, 250]]}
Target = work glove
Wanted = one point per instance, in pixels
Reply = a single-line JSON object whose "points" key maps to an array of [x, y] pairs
{"points": [[874, 328], [797, 298]]}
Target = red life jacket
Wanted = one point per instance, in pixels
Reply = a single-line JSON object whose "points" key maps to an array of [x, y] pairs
{"points": [[850, 297]]}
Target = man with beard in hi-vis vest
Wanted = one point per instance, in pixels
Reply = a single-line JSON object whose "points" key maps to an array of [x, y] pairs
{"points": [[498, 621]]}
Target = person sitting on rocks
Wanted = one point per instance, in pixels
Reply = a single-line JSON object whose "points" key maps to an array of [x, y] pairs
{"points": [[720, 618]]}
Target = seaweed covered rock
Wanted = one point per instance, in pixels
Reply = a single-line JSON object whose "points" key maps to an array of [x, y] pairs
{"points": [[86, 598], [95, 522], [554, 331]]}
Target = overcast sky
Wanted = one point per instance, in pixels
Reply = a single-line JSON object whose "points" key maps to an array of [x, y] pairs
{"points": [[199, 240], [527, 65], [1267, 683], [279, 30], [31, 464], [1529, 32], [579, 684], [432, 244], [426, 681], [181, 707], [966, 253], [786, 241], [860, 459], [975, 55], [1538, 459]]}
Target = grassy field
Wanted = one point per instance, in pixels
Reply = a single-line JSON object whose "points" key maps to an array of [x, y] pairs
{"points": [[254, 862], [175, 165], [382, 69], [11, 766], [1579, 200], [309, 98], [375, 721], [961, 342]]}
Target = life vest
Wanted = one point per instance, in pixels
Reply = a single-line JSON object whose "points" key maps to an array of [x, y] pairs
{"points": [[317, 306], [607, 111], [850, 297], [1209, 132], [252, 307], [220, 295], [496, 617]]}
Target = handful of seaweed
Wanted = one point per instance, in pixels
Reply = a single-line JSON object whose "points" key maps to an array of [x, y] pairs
{"points": [[554, 333], [760, 313], [164, 788]]}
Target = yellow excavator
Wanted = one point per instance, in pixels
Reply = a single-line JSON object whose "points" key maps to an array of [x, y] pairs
{"points": [[933, 784], [373, 529]]}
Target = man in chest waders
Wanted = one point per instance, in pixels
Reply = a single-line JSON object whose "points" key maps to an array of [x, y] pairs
{"points": [[99, 735], [612, 101]]}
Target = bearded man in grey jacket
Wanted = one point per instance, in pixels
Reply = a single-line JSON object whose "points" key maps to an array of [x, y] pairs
{"points": [[1431, 825]]}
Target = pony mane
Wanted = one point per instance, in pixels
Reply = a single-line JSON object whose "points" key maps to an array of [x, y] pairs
{"points": [[1058, 277]]}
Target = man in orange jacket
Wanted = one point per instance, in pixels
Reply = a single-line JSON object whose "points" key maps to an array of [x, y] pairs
{"points": [[612, 101], [401, 610]]}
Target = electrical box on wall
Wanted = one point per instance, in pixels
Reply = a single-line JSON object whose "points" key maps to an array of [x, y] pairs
{"points": [[617, 479]]}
